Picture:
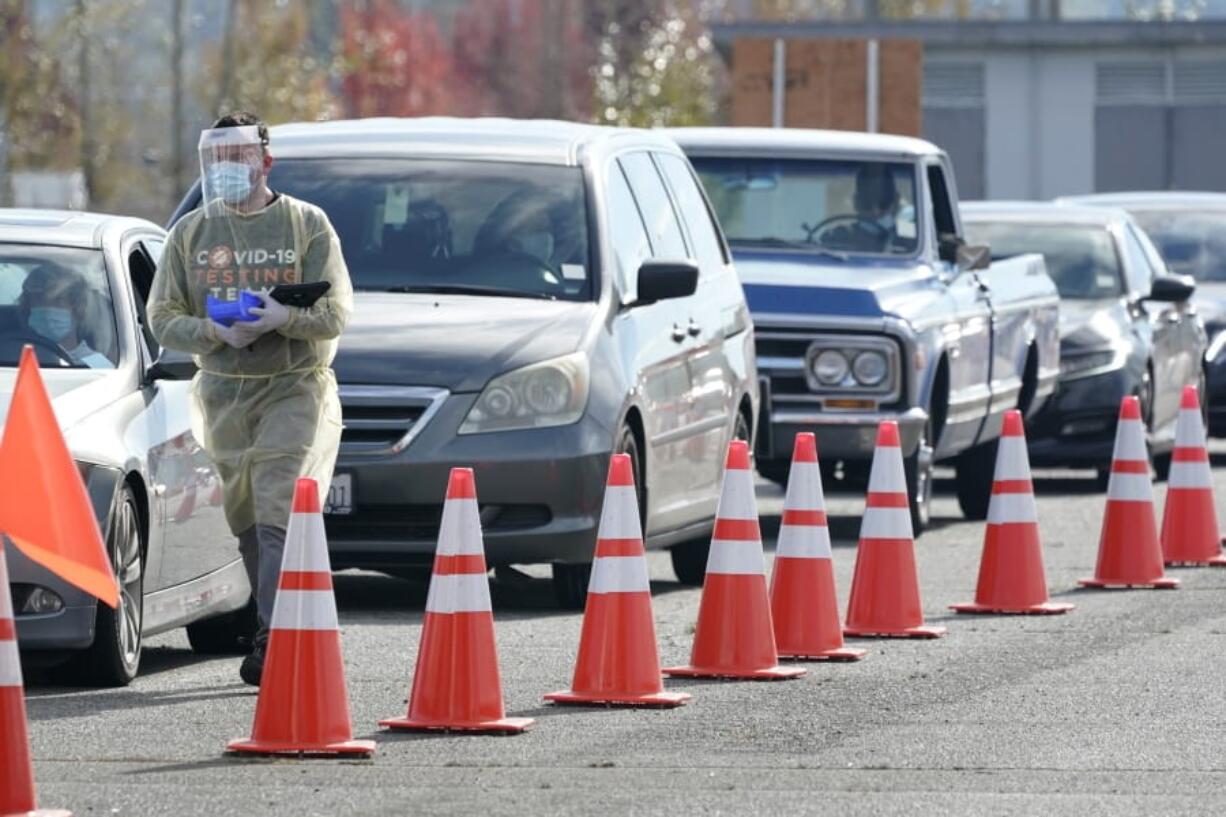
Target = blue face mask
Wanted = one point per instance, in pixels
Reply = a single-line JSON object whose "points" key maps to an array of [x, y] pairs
{"points": [[52, 322], [231, 181]]}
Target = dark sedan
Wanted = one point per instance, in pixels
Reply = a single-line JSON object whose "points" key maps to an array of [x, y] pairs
{"points": [[1127, 327], [1189, 230]]}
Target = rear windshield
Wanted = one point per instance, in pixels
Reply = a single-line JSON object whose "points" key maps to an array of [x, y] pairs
{"points": [[496, 228], [815, 205], [1191, 243], [1081, 260]]}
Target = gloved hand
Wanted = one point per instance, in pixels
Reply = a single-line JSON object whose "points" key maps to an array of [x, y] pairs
{"points": [[271, 316], [238, 336]]}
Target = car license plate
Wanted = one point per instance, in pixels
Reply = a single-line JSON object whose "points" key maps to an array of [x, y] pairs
{"points": [[340, 495]]}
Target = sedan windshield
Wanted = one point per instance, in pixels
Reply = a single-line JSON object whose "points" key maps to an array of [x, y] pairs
{"points": [[830, 207], [480, 228], [58, 300], [1081, 260], [1191, 243]]}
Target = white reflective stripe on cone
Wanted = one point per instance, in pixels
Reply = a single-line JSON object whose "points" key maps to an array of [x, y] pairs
{"points": [[1189, 430], [304, 610], [1130, 488], [619, 518], [804, 491], [886, 523], [887, 476], [1190, 475], [1130, 441], [804, 542], [736, 499], [619, 574], [10, 664], [1012, 508], [1012, 461], [459, 532], [736, 557], [312, 555], [459, 593]]}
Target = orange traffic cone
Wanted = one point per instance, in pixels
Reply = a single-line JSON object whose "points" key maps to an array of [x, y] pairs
{"points": [[1129, 554], [734, 637], [885, 598], [16, 768], [618, 660], [1189, 521], [804, 606], [456, 684], [303, 706], [1011, 576]]}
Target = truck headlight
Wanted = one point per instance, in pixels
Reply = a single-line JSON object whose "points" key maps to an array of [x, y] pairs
{"points": [[830, 368], [870, 368], [551, 393]]}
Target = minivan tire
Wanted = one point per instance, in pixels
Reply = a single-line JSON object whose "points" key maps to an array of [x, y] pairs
{"points": [[570, 581]]}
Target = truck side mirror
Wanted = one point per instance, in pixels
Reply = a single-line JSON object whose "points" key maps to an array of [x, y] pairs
{"points": [[973, 257], [947, 247]]}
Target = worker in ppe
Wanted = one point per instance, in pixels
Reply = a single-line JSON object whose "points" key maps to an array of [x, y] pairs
{"points": [[265, 399]]}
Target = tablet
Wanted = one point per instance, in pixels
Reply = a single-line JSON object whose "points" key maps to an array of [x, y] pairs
{"points": [[300, 294]]}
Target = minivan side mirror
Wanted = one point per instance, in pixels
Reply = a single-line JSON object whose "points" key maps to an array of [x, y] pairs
{"points": [[172, 365], [1171, 289], [660, 280]]}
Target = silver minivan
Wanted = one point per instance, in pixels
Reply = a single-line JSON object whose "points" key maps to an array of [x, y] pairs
{"points": [[531, 297]]}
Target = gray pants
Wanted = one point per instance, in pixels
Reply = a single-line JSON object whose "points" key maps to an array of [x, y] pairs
{"points": [[261, 547]]}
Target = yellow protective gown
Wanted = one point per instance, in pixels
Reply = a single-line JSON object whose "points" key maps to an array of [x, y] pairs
{"points": [[269, 413]]}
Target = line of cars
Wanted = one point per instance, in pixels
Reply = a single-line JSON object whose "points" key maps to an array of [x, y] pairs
{"points": [[532, 297]]}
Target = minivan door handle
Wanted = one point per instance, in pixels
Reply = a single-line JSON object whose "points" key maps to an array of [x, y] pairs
{"points": [[693, 329], [678, 334]]}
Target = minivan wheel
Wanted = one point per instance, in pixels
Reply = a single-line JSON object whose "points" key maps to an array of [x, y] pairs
{"points": [[114, 657], [570, 583]]}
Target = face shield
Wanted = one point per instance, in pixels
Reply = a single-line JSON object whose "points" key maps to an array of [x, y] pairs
{"points": [[231, 166]]}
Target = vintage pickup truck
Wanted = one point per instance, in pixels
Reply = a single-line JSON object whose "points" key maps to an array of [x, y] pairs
{"points": [[868, 305]]}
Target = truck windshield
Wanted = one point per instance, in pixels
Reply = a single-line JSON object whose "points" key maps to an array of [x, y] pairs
{"points": [[58, 300], [1191, 243], [835, 207], [467, 227], [1081, 260]]}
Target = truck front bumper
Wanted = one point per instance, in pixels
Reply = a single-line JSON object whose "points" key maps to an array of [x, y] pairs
{"points": [[847, 436]]}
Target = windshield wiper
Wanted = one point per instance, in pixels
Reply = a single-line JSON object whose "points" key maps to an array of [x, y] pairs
{"points": [[468, 289], [807, 246]]}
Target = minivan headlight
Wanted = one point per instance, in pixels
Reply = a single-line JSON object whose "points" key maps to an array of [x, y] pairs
{"points": [[550, 393]]}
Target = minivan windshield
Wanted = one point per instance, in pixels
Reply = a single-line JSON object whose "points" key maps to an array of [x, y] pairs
{"points": [[1081, 260], [466, 227], [1191, 242], [817, 205], [58, 300]]}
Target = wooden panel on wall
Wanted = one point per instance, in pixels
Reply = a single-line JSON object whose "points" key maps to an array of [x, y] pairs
{"points": [[901, 73], [753, 70]]}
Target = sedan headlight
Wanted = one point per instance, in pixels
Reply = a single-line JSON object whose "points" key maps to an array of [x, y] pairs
{"points": [[1085, 364], [552, 393]]}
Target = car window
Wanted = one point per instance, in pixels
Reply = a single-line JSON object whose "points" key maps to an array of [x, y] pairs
{"points": [[654, 204], [1191, 242], [1082, 261], [627, 235], [704, 235], [851, 206], [59, 300], [1139, 272], [434, 225]]}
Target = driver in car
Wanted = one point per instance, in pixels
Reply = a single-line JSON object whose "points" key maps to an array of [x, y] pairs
{"points": [[876, 203], [52, 304]]}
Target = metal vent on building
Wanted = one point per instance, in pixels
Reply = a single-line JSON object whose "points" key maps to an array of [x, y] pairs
{"points": [[953, 84], [1131, 83], [1200, 81]]}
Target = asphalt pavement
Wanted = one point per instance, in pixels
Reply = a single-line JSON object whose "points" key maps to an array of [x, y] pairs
{"points": [[1114, 709]]}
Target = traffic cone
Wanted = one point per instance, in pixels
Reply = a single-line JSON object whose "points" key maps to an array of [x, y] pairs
{"points": [[804, 606], [1129, 554], [1011, 576], [303, 706], [734, 637], [885, 597], [1189, 521], [16, 767], [618, 660], [456, 684]]}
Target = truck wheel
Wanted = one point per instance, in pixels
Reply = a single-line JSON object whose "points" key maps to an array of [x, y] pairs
{"points": [[919, 468], [570, 583], [975, 470], [228, 634]]}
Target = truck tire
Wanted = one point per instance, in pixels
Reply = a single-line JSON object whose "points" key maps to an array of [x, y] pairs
{"points": [[975, 470], [918, 469]]}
